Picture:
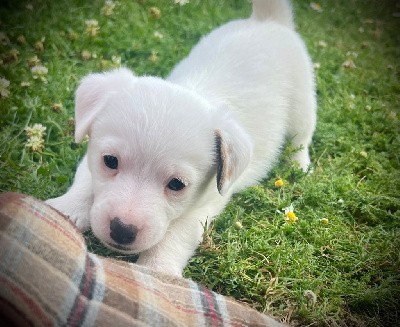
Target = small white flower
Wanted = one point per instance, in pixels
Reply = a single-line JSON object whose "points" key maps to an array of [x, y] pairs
{"points": [[154, 57], [4, 40], [92, 27], [4, 84], [181, 2], [108, 8], [35, 143], [39, 46], [37, 130], [316, 6], [158, 35], [311, 296], [238, 225], [86, 55], [34, 61], [349, 64], [21, 39], [39, 72], [116, 60], [13, 55], [35, 137], [352, 54]]}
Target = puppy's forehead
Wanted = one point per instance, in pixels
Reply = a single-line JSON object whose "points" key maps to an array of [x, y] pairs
{"points": [[154, 104], [155, 116]]}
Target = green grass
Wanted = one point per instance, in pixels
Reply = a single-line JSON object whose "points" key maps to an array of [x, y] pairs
{"points": [[351, 264]]}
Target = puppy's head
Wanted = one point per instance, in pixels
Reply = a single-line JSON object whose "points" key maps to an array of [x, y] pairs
{"points": [[154, 151]]}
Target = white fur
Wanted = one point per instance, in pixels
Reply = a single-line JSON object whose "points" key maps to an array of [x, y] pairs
{"points": [[227, 107]]}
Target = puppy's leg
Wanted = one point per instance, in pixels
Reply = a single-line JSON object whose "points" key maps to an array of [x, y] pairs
{"points": [[301, 141], [171, 255], [76, 203], [302, 121]]}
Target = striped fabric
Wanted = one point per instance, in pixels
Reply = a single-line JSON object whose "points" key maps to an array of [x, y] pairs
{"points": [[48, 278]]}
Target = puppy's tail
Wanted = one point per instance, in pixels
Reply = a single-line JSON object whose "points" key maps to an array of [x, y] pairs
{"points": [[279, 11]]}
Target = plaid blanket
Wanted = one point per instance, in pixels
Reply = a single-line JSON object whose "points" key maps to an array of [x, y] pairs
{"points": [[48, 278]]}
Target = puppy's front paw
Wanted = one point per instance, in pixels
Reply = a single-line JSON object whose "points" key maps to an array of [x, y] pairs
{"points": [[82, 223], [159, 266], [73, 212]]}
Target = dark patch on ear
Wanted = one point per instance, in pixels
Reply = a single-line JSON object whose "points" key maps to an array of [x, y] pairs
{"points": [[220, 160]]}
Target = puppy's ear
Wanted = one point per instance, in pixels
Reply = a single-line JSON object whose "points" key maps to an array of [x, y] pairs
{"points": [[92, 93], [234, 149]]}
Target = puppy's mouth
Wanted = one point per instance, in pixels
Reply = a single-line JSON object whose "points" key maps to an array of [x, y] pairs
{"points": [[120, 248]]}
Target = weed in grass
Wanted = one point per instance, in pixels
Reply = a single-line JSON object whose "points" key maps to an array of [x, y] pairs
{"points": [[339, 263]]}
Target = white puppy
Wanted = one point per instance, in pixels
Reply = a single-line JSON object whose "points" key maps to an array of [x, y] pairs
{"points": [[165, 156]]}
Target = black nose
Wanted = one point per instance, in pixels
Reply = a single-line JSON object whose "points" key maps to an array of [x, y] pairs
{"points": [[122, 233]]}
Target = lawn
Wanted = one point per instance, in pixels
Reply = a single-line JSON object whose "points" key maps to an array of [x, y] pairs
{"points": [[339, 263]]}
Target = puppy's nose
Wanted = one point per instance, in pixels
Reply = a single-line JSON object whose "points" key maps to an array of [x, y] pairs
{"points": [[122, 233]]}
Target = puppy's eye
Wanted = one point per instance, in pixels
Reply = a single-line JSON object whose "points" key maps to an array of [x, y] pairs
{"points": [[176, 184], [110, 161]]}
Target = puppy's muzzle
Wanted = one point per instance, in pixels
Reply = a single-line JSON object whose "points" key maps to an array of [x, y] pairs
{"points": [[122, 233]]}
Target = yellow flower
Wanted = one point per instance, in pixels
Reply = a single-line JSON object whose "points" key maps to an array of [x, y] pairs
{"points": [[279, 182], [290, 216]]}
